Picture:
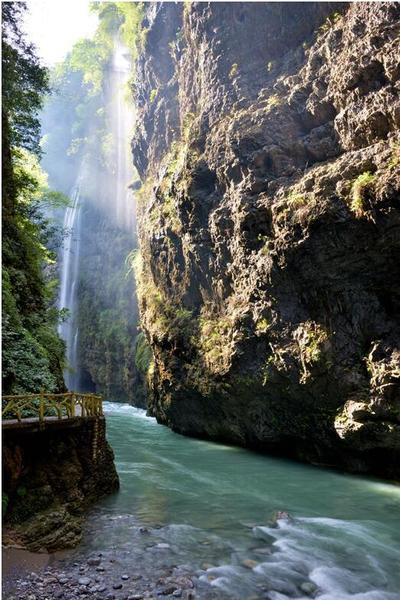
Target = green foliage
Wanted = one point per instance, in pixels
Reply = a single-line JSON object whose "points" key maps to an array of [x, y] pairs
{"points": [[360, 186], [21, 491], [333, 18], [32, 351], [24, 81], [143, 353], [107, 311], [314, 338], [89, 58], [126, 17]]}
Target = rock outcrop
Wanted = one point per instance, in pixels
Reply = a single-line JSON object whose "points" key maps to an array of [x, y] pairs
{"points": [[50, 477], [269, 280]]}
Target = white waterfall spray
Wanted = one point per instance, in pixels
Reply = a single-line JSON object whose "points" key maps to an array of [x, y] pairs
{"points": [[112, 196], [68, 285]]}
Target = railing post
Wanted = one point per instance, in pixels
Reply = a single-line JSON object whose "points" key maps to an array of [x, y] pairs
{"points": [[72, 404], [41, 406]]}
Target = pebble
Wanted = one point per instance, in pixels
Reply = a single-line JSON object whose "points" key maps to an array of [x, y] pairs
{"points": [[249, 563], [125, 577], [117, 586], [100, 569], [84, 581], [135, 597], [101, 588], [94, 562]]}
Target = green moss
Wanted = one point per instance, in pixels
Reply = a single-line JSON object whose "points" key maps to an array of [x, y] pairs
{"points": [[262, 325], [21, 491], [331, 20], [146, 191], [315, 337], [143, 354], [273, 101], [395, 158], [233, 71], [360, 186], [296, 200], [153, 95]]}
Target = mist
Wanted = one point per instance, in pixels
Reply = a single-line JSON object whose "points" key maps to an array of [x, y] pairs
{"points": [[86, 135]]}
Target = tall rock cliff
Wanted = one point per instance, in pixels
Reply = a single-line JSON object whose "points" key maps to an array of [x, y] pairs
{"points": [[269, 277]]}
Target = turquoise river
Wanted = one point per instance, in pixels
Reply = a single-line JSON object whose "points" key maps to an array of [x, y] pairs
{"points": [[213, 508]]}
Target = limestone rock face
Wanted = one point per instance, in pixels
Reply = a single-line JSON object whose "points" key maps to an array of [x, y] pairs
{"points": [[269, 279]]}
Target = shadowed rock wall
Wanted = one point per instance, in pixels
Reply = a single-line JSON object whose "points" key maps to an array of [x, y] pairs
{"points": [[50, 477]]}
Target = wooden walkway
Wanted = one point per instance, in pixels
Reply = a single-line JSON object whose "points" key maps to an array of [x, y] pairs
{"points": [[32, 409]]}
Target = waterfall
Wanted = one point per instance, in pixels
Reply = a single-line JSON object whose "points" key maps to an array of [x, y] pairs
{"points": [[108, 191], [68, 329]]}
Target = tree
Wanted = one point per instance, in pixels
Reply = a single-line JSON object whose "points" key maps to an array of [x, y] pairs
{"points": [[33, 354]]}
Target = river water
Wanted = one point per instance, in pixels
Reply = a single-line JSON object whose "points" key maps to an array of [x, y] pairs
{"points": [[212, 508]]}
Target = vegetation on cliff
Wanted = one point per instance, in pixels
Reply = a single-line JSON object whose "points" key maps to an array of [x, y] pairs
{"points": [[33, 354]]}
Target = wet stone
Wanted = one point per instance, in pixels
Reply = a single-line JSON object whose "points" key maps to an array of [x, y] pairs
{"points": [[117, 586], [82, 589], [94, 562], [249, 564], [125, 577], [308, 588]]}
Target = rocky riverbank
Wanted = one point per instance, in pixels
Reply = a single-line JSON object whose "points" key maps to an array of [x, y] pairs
{"points": [[101, 577]]}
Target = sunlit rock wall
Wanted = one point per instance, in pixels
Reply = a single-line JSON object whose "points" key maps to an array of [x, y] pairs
{"points": [[267, 140]]}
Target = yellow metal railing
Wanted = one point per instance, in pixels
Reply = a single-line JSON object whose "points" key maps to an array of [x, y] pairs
{"points": [[42, 406]]}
